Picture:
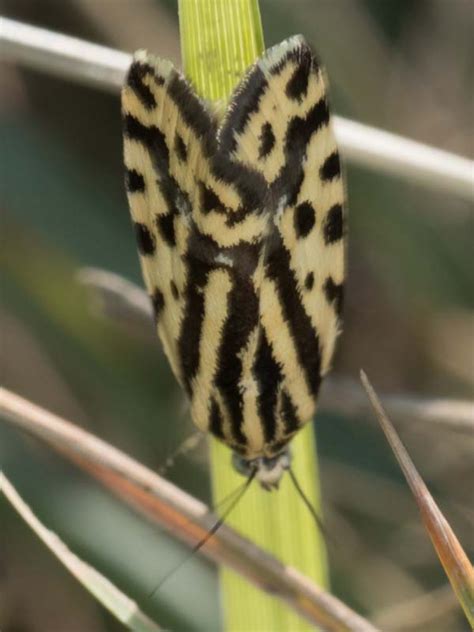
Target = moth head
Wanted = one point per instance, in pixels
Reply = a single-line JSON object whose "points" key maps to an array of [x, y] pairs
{"points": [[269, 470]]}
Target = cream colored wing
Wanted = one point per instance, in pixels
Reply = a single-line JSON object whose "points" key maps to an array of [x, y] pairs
{"points": [[166, 129], [276, 142], [241, 236]]}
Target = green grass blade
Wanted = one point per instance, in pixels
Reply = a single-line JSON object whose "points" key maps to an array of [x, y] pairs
{"points": [[278, 522], [219, 40]]}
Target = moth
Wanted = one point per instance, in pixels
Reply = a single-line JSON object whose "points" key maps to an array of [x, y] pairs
{"points": [[239, 219]]}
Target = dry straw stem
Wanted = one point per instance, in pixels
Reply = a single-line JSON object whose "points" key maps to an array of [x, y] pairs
{"points": [[104, 68], [182, 515], [127, 304], [121, 606], [120, 300], [452, 556]]}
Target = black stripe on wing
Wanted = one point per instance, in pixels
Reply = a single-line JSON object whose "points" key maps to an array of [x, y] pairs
{"points": [[304, 335], [193, 111], [191, 324], [268, 375], [242, 318], [298, 134], [249, 183], [298, 53], [216, 420], [152, 138], [136, 74], [289, 415]]}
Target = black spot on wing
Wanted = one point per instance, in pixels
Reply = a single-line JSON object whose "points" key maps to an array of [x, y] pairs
{"points": [[180, 148], [268, 375], [297, 86], [145, 240], [138, 71], [216, 421], [304, 219], [165, 224], [309, 281], [289, 414], [158, 302], [331, 167], [244, 102], [334, 293], [266, 139], [333, 228], [304, 336], [134, 181]]}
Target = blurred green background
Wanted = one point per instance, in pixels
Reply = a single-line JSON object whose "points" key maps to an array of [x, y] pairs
{"points": [[402, 65]]}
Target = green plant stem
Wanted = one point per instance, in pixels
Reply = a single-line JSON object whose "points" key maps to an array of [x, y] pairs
{"points": [[220, 39]]}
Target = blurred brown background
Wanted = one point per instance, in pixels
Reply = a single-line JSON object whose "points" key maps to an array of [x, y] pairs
{"points": [[402, 65]]}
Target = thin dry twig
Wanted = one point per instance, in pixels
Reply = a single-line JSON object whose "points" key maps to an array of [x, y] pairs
{"points": [[450, 552], [121, 606], [120, 300], [105, 68], [182, 515], [127, 304]]}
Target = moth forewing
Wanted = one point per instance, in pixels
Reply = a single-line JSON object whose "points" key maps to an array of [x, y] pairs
{"points": [[240, 227]]}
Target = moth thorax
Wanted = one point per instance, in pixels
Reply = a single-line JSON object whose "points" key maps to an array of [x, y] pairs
{"points": [[269, 470]]}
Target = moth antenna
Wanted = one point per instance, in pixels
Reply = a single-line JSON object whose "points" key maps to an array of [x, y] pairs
{"points": [[229, 496], [308, 504], [186, 446], [215, 527]]}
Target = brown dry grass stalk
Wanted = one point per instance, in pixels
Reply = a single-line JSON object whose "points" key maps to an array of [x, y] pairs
{"points": [[180, 514]]}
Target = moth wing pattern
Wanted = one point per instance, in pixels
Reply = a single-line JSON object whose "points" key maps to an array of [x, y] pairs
{"points": [[278, 125], [240, 229], [163, 153]]}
